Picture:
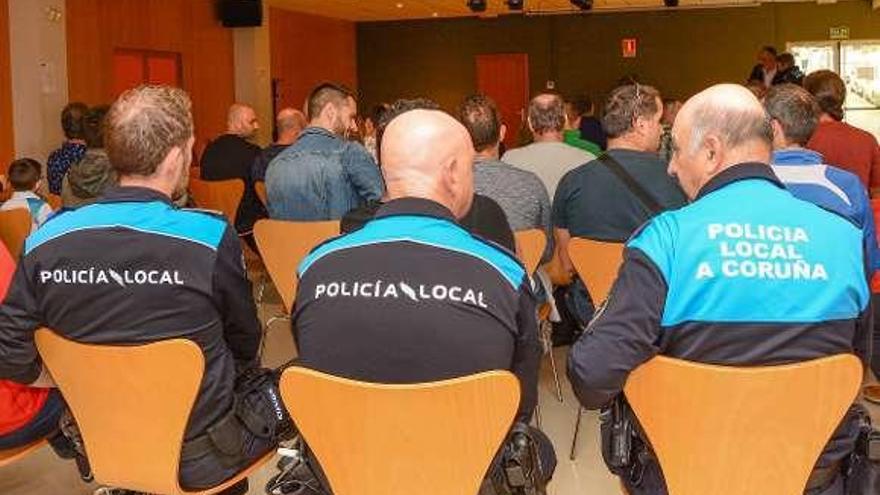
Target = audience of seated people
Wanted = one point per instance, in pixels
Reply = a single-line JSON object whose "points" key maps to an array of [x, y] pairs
{"points": [[24, 178], [72, 150], [841, 144], [429, 219], [548, 156], [677, 295], [520, 193], [202, 292], [323, 176], [472, 300], [289, 123]]}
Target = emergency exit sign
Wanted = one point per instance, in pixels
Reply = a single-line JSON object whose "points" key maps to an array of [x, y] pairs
{"points": [[839, 33], [629, 47]]}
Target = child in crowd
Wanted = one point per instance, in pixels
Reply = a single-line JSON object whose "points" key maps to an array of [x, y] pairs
{"points": [[24, 177]]}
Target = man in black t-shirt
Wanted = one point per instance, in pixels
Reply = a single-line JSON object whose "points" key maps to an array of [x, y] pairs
{"points": [[231, 156]]}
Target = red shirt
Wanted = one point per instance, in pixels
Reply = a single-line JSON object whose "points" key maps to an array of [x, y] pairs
{"points": [[18, 403], [849, 148]]}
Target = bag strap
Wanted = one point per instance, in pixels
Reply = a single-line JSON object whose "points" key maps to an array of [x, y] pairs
{"points": [[634, 187]]}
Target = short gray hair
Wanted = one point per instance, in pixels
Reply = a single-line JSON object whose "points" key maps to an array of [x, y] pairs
{"points": [[734, 125], [547, 113]]}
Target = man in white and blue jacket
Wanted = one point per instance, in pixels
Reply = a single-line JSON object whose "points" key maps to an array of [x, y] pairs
{"points": [[794, 116]]}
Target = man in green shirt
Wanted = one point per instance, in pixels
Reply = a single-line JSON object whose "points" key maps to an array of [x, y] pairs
{"points": [[572, 134]]}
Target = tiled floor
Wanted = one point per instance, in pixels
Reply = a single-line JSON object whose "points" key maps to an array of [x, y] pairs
{"points": [[43, 474]]}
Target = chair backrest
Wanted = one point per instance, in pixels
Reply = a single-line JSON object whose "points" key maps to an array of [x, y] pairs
{"points": [[530, 246], [283, 245], [221, 195], [54, 201], [15, 226], [597, 263], [741, 431], [260, 187], [432, 438], [132, 405]]}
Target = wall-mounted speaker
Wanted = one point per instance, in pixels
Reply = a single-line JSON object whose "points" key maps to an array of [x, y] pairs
{"points": [[240, 13]]}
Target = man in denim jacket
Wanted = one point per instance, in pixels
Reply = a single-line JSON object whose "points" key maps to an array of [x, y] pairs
{"points": [[322, 176]]}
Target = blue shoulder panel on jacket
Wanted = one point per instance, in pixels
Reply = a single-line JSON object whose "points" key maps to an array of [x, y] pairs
{"points": [[149, 217], [772, 258], [427, 231]]}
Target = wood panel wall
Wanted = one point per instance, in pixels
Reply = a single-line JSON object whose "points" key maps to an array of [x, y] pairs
{"points": [[6, 137], [308, 50], [96, 27]]}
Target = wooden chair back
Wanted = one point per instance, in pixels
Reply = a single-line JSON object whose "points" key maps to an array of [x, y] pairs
{"points": [[131, 403], [597, 263], [221, 195], [741, 431], [530, 246], [15, 226], [283, 245], [430, 438], [260, 187]]}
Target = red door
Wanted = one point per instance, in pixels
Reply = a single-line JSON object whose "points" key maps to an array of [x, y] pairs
{"points": [[504, 77], [132, 68]]}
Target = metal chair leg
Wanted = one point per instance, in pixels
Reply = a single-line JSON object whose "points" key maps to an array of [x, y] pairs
{"points": [[548, 348], [577, 429]]}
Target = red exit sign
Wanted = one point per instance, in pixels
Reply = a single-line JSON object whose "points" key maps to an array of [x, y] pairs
{"points": [[629, 47]]}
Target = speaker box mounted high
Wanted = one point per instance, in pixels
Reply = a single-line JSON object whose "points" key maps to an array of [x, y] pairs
{"points": [[240, 13]]}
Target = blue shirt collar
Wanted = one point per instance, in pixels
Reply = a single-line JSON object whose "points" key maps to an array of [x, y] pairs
{"points": [[797, 156]]}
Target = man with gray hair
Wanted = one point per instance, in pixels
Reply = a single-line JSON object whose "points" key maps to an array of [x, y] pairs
{"points": [[548, 156], [682, 292]]}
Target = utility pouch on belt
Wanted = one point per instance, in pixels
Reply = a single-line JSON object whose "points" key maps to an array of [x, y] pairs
{"points": [[624, 451], [520, 470], [863, 471]]}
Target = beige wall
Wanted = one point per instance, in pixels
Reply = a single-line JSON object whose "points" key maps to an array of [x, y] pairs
{"points": [[253, 83], [38, 50]]}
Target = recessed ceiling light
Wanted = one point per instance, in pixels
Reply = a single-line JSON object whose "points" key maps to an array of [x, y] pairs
{"points": [[400, 6], [435, 15]]}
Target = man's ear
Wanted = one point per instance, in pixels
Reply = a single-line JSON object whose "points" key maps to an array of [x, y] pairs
{"points": [[714, 155], [502, 133]]}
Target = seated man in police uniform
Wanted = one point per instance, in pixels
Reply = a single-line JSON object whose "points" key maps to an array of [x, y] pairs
{"points": [[412, 296], [695, 282], [133, 269]]}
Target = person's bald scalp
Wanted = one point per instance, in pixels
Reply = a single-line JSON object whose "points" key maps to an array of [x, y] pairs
{"points": [[417, 146], [729, 111], [237, 112]]}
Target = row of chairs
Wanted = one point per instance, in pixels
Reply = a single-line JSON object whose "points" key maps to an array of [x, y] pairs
{"points": [[682, 422]]}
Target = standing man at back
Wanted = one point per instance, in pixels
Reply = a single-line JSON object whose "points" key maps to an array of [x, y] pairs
{"points": [[548, 156], [322, 176], [700, 283], [231, 156]]}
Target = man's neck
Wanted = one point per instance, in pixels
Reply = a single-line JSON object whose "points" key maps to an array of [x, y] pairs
{"points": [[625, 143], [549, 137], [145, 182], [826, 118], [489, 154]]}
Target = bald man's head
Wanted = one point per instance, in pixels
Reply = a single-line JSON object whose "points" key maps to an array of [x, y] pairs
{"points": [[720, 127], [289, 123], [428, 154], [242, 121]]}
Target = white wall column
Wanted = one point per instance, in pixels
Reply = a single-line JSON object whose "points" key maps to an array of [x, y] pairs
{"points": [[38, 49], [253, 83]]}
